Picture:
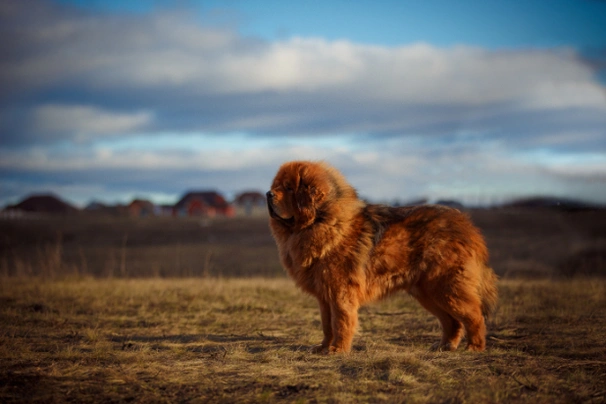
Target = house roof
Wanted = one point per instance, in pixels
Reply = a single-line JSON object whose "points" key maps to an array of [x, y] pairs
{"points": [[141, 202], [250, 197], [95, 205], [210, 198], [46, 203]]}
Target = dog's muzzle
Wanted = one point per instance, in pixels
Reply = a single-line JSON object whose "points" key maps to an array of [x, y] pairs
{"points": [[270, 200]]}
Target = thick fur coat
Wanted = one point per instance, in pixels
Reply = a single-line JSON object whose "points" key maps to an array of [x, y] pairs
{"points": [[346, 253]]}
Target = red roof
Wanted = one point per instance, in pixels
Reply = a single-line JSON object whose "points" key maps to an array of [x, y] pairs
{"points": [[210, 198], [251, 197]]}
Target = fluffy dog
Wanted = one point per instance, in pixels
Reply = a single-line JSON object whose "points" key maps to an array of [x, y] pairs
{"points": [[346, 252]]}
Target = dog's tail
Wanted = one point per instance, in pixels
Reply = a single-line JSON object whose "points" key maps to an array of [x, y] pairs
{"points": [[487, 290]]}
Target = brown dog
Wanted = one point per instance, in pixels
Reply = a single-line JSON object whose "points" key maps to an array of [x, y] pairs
{"points": [[346, 253]]}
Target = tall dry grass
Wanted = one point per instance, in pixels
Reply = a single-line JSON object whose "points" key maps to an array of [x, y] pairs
{"points": [[123, 247], [523, 243]]}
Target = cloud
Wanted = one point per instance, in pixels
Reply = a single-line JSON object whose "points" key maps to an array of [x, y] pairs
{"points": [[385, 170], [159, 102], [178, 75], [85, 120]]}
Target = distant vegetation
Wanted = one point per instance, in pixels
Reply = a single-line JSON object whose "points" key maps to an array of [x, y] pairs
{"points": [[537, 243]]}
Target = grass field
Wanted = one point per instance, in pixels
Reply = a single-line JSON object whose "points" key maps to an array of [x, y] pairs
{"points": [[523, 243], [247, 340], [107, 309]]}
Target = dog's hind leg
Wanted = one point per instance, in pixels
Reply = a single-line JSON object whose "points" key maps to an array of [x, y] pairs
{"points": [[464, 305], [452, 329], [474, 324]]}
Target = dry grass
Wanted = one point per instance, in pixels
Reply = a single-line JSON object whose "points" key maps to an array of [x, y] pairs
{"points": [[78, 324], [55, 247], [246, 340], [522, 243]]}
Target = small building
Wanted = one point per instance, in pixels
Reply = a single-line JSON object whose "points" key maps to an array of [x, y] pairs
{"points": [[164, 210], [101, 209], [204, 203], [43, 204], [95, 206], [250, 203], [141, 208]]}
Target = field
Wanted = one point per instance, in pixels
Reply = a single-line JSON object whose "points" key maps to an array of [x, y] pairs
{"points": [[247, 340], [528, 243], [163, 310]]}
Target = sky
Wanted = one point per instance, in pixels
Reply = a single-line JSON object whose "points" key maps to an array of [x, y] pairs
{"points": [[482, 102]]}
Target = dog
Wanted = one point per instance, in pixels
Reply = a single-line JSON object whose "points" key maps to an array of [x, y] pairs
{"points": [[346, 252]]}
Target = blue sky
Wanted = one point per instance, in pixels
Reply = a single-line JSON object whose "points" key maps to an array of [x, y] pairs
{"points": [[442, 23], [479, 101]]}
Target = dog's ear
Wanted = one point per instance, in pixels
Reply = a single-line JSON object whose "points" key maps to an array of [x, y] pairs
{"points": [[306, 205], [307, 198]]}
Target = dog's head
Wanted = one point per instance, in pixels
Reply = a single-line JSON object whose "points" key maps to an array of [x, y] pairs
{"points": [[300, 192]]}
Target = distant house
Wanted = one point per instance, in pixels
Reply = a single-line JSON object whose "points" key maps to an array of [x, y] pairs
{"points": [[164, 210], [95, 206], [99, 208], [250, 203], [141, 208], [205, 203], [44, 204]]}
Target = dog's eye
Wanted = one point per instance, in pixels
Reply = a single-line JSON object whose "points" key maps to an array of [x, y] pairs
{"points": [[288, 188]]}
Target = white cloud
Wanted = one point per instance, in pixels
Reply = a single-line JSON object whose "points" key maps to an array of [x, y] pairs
{"points": [[197, 78], [86, 120], [382, 170], [122, 82]]}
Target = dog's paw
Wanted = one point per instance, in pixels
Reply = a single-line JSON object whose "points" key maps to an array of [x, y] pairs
{"points": [[319, 349], [335, 350], [475, 348], [439, 347]]}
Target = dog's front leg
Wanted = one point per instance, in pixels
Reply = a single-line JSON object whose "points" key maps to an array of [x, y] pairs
{"points": [[344, 321], [326, 327]]}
